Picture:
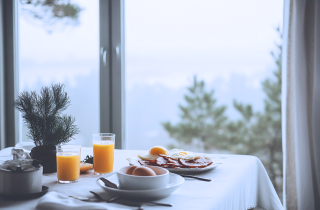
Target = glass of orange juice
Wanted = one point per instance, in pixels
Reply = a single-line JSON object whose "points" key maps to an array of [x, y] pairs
{"points": [[103, 152], [68, 163]]}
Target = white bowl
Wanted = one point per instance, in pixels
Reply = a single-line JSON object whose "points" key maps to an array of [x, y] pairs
{"points": [[175, 181], [131, 182]]}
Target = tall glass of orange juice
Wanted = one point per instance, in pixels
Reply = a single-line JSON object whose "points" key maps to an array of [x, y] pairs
{"points": [[103, 152], [68, 163]]}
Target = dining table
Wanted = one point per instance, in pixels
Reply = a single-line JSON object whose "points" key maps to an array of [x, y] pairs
{"points": [[240, 182]]}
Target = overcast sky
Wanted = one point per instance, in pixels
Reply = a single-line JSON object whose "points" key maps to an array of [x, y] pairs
{"points": [[167, 42], [211, 39], [226, 43]]}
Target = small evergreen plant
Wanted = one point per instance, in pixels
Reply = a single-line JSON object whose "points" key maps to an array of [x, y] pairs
{"points": [[42, 114]]}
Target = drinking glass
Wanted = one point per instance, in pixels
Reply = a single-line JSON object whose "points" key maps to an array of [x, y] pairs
{"points": [[68, 163], [103, 152]]}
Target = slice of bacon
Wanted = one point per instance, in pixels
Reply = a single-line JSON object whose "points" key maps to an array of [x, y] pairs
{"points": [[175, 162], [164, 156], [161, 161], [197, 163], [147, 163], [168, 162]]}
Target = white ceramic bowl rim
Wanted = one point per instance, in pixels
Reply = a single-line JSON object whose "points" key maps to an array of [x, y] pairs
{"points": [[181, 181], [144, 177]]}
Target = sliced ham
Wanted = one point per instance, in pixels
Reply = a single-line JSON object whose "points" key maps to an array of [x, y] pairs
{"points": [[161, 161], [168, 162], [197, 163], [147, 163]]}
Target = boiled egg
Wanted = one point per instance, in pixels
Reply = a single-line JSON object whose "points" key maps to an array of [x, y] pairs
{"points": [[153, 153], [179, 153], [143, 171], [130, 170]]}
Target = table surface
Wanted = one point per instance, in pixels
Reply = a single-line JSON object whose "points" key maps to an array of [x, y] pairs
{"points": [[240, 182]]}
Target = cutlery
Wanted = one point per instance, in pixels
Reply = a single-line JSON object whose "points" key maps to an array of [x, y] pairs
{"points": [[195, 177], [102, 199], [139, 205], [129, 203], [83, 198], [108, 183]]}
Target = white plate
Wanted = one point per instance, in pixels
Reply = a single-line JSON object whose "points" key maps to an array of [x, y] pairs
{"points": [[134, 161], [174, 182], [193, 170]]}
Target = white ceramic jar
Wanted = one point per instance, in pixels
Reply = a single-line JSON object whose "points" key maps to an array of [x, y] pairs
{"points": [[18, 183]]}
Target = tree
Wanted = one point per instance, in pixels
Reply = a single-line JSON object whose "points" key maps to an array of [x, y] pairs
{"points": [[259, 133], [255, 133], [42, 114], [201, 119], [50, 12]]}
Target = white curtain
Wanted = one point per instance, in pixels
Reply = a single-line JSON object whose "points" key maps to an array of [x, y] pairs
{"points": [[301, 104]]}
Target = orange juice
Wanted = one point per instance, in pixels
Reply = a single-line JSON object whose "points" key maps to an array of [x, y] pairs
{"points": [[103, 155], [68, 166]]}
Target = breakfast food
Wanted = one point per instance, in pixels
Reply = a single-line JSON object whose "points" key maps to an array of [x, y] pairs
{"points": [[84, 167], [153, 153], [140, 171], [143, 171], [176, 158], [130, 170]]}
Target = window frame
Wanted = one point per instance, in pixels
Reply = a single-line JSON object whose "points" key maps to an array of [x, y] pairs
{"points": [[112, 98], [111, 101], [9, 85]]}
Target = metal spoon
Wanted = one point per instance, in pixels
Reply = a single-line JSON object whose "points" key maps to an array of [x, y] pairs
{"points": [[129, 203], [102, 199], [108, 183], [83, 198]]}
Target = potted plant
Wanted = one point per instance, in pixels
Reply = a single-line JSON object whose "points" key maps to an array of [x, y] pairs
{"points": [[47, 126]]}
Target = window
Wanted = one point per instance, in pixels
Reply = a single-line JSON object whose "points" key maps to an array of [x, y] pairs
{"points": [[63, 51], [86, 57], [200, 77], [225, 43]]}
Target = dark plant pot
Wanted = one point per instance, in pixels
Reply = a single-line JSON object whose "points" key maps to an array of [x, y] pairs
{"points": [[47, 157]]}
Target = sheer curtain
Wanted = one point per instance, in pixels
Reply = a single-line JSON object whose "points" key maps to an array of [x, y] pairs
{"points": [[301, 104]]}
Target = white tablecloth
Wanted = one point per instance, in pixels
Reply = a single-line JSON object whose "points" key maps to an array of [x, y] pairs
{"points": [[240, 183]]}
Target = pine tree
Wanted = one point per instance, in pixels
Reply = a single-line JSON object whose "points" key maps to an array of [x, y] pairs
{"points": [[201, 118], [255, 133], [50, 12], [259, 133]]}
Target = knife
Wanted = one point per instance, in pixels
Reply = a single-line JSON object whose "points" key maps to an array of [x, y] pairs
{"points": [[195, 177]]}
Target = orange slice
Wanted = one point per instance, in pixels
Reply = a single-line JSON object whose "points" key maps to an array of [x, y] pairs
{"points": [[85, 167]]}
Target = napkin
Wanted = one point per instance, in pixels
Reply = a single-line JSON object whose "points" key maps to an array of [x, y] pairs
{"points": [[54, 201]]}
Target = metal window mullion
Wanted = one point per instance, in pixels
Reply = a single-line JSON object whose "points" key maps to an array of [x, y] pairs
{"points": [[105, 86], [112, 69], [9, 74], [2, 114]]}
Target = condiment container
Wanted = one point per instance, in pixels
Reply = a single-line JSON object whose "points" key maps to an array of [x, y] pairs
{"points": [[24, 182]]}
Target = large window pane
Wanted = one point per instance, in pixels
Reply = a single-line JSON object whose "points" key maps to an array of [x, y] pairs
{"points": [[65, 50], [225, 44]]}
